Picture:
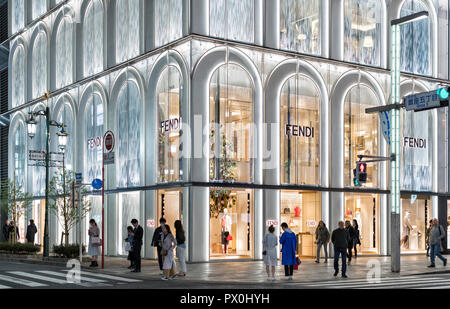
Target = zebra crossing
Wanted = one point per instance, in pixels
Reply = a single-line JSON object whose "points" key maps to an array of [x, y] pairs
{"points": [[406, 282], [58, 278]]}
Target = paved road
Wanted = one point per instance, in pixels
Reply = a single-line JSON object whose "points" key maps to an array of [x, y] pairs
{"points": [[36, 276]]}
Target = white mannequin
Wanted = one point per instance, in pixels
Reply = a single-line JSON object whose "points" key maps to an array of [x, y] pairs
{"points": [[226, 221]]}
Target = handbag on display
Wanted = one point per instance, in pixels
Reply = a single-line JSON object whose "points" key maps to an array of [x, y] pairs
{"points": [[229, 237]]}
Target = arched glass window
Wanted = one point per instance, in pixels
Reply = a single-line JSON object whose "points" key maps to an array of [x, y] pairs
{"points": [[38, 143], [231, 121], [128, 113], [300, 26], [169, 99], [65, 116], [362, 31], [64, 53], [18, 77], [39, 8], [93, 38], [18, 15], [300, 128], [415, 40], [39, 66], [417, 151], [360, 133], [127, 29], [232, 19], [19, 156], [169, 21]]}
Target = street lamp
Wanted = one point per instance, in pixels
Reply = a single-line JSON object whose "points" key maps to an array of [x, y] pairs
{"points": [[395, 134], [62, 140]]}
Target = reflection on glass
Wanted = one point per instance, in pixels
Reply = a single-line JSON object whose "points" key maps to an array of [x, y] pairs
{"points": [[169, 125], [300, 131], [362, 31], [128, 210], [18, 77], [169, 21], [360, 133], [93, 38], [231, 124], [300, 26], [127, 29], [39, 65], [64, 53]]}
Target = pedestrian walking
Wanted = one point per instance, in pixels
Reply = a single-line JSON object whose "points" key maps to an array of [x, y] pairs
{"points": [[168, 244], [427, 237], [322, 239], [270, 243], [157, 242], [13, 230], [437, 234], [31, 232], [138, 234], [356, 238], [351, 234], [340, 239], [129, 246], [288, 240], [181, 247], [5, 230], [94, 242]]}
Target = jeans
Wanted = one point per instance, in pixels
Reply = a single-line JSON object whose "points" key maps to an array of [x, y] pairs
{"points": [[435, 252], [181, 258], [288, 270], [343, 253], [325, 248], [160, 257]]}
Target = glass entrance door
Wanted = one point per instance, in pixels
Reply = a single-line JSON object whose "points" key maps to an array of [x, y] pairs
{"points": [[169, 207]]}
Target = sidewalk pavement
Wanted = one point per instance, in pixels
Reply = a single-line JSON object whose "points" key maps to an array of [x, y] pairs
{"points": [[253, 272]]}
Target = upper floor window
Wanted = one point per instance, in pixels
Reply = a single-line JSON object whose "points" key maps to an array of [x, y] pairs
{"points": [[127, 29], [18, 15], [232, 19], [93, 38], [169, 21], [64, 53], [300, 26], [39, 8], [415, 40], [18, 77], [19, 156], [39, 66], [362, 31]]}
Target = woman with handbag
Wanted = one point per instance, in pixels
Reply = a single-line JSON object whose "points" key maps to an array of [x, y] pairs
{"points": [[181, 246], [270, 243], [168, 244], [94, 242], [129, 246]]}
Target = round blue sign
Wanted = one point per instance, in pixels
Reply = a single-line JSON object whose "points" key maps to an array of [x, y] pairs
{"points": [[97, 184]]}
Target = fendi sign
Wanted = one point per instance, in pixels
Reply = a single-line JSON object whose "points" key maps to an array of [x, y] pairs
{"points": [[170, 125], [412, 142], [299, 131]]}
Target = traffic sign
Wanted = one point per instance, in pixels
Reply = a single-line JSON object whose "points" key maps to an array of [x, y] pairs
{"points": [[108, 158], [426, 100], [109, 141], [97, 184], [78, 178], [35, 155]]}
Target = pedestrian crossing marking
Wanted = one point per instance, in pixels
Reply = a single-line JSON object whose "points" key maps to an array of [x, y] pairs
{"points": [[28, 283], [54, 273], [3, 287], [110, 277], [399, 283], [337, 281], [39, 277]]}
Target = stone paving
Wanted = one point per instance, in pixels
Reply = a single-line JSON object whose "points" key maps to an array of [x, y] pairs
{"points": [[253, 272]]}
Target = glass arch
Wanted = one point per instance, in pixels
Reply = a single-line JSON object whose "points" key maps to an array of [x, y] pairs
{"points": [[65, 116], [39, 66], [415, 48], [64, 53], [362, 31], [127, 29], [19, 155], [93, 38], [169, 21], [300, 26], [129, 124], [38, 143], [300, 131], [231, 124], [18, 15], [18, 77]]}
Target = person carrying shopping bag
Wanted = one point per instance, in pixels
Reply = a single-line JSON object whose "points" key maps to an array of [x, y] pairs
{"points": [[94, 242], [289, 242], [168, 244]]}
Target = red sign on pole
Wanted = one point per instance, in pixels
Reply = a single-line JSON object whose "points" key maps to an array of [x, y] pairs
{"points": [[109, 141]]}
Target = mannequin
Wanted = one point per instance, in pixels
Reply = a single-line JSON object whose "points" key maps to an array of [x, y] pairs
{"points": [[225, 222], [406, 230]]}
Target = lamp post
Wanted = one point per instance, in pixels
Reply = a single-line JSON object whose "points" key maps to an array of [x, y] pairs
{"points": [[395, 134], [62, 139]]}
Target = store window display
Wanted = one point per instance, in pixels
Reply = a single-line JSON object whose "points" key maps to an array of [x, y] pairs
{"points": [[302, 213], [414, 217], [364, 208], [231, 223]]}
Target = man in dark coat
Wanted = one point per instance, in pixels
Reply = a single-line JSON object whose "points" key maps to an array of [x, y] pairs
{"points": [[352, 234], [340, 240], [6, 230], [31, 232], [156, 242], [138, 234]]}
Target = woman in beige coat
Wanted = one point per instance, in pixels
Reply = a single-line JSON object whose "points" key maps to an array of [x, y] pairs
{"points": [[169, 243]]}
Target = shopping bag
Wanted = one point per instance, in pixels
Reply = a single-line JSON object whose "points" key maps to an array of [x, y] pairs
{"points": [[96, 241], [229, 237], [127, 246], [297, 263]]}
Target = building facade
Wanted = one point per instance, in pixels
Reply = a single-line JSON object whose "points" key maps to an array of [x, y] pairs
{"points": [[231, 115]]}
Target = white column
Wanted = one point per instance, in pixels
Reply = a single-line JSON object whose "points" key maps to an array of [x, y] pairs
{"points": [[337, 29], [272, 24], [200, 17], [258, 21]]}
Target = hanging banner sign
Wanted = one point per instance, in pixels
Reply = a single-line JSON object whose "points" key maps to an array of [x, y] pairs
{"points": [[386, 126]]}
